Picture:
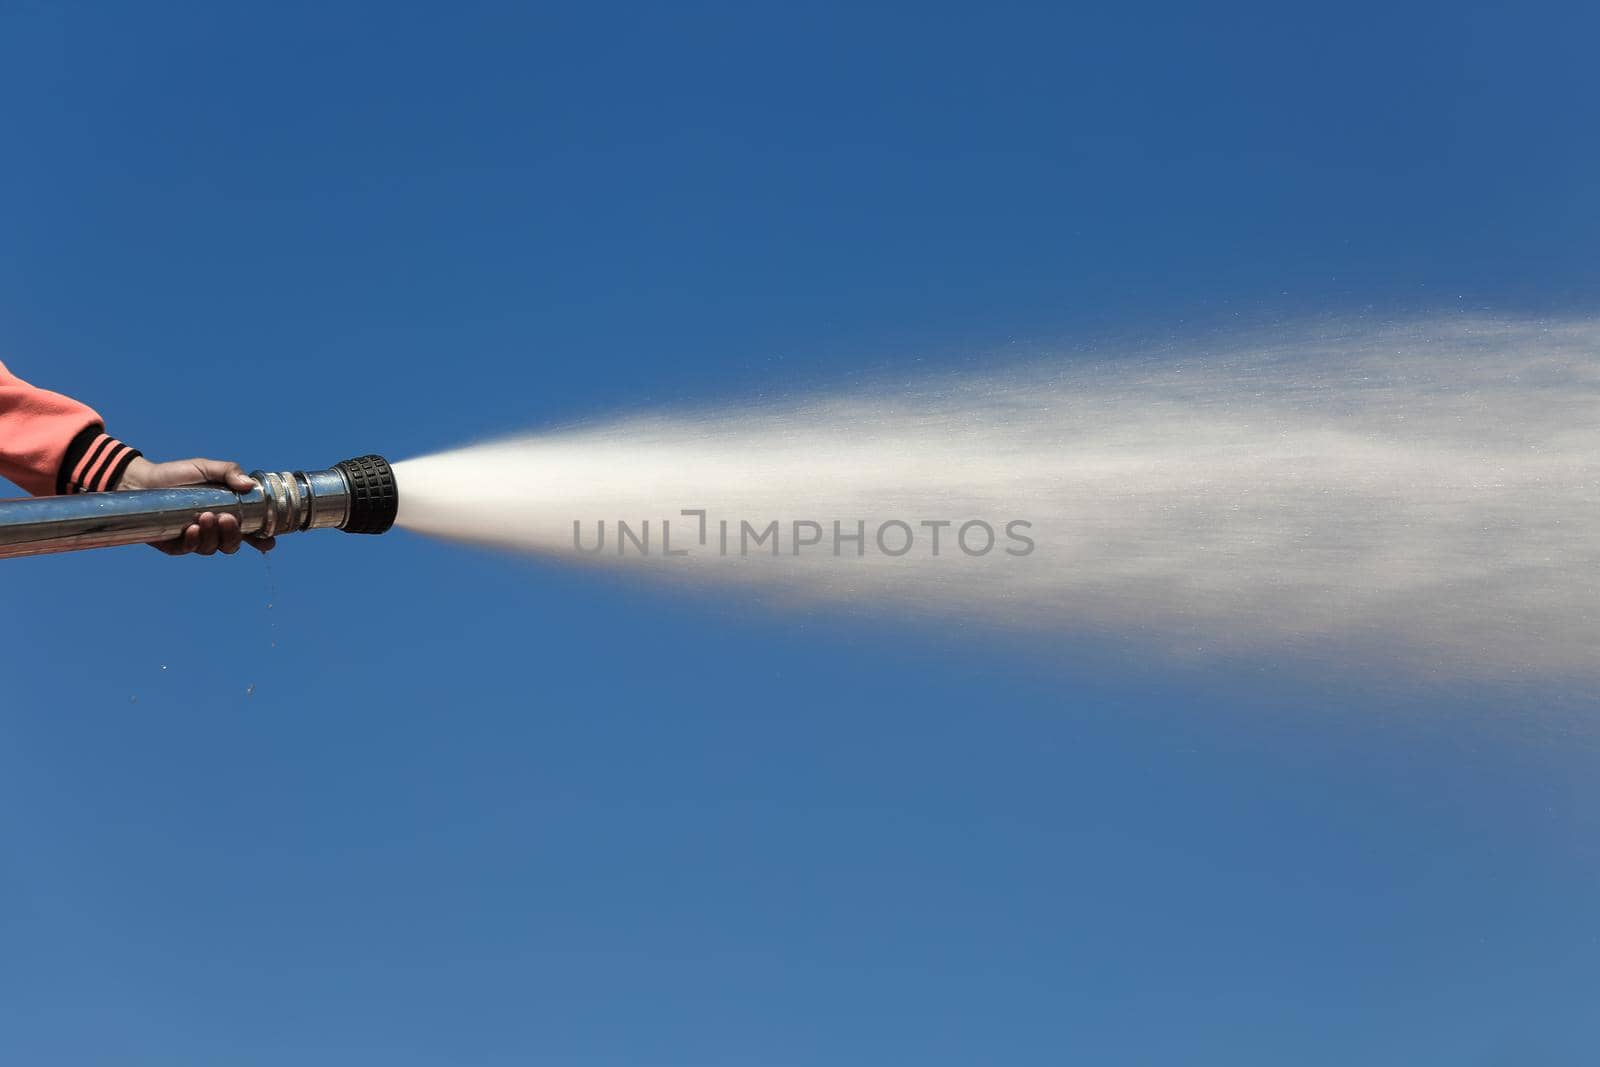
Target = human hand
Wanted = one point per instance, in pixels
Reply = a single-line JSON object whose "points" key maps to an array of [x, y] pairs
{"points": [[210, 533]]}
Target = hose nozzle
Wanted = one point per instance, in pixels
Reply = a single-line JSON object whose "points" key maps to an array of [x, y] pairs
{"points": [[357, 496]]}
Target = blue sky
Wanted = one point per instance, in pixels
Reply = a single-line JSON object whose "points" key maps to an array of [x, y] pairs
{"points": [[482, 810]]}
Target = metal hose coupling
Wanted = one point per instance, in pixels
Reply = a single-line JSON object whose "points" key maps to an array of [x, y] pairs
{"points": [[357, 496]]}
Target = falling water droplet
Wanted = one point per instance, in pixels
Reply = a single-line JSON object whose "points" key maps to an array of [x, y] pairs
{"points": [[272, 596]]}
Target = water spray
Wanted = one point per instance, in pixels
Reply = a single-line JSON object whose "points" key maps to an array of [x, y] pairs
{"points": [[1424, 492], [356, 496]]}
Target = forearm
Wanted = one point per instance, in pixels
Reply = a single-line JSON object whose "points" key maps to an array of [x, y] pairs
{"points": [[52, 444]]}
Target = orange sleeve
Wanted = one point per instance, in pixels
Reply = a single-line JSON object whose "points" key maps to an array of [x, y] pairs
{"points": [[52, 444]]}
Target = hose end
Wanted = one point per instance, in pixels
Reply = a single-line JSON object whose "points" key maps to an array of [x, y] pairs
{"points": [[374, 500]]}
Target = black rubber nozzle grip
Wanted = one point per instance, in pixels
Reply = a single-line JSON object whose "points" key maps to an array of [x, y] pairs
{"points": [[374, 500]]}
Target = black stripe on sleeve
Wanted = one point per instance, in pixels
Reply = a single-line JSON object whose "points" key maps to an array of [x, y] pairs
{"points": [[121, 468], [69, 462], [107, 462], [99, 455]]}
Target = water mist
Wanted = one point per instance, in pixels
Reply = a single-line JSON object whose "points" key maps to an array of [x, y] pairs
{"points": [[1429, 492]]}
